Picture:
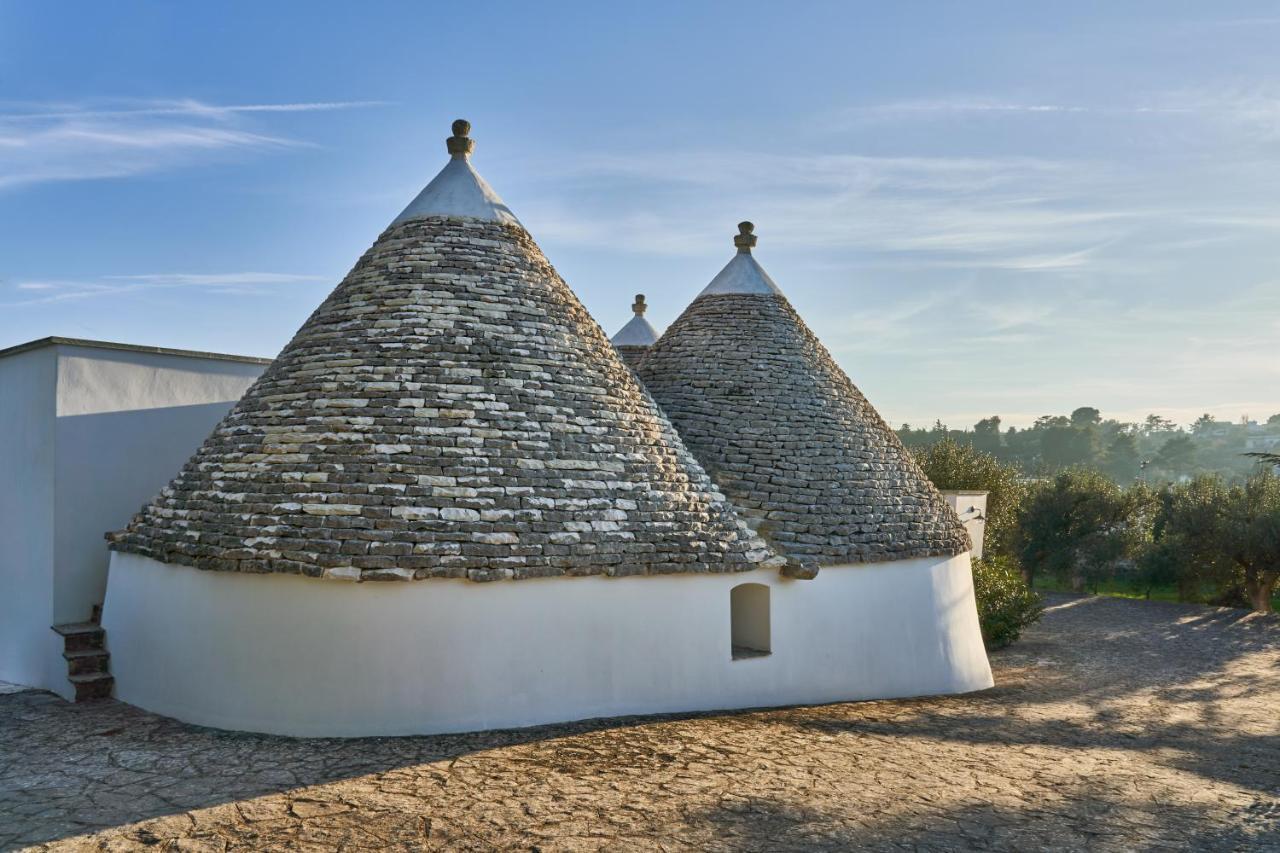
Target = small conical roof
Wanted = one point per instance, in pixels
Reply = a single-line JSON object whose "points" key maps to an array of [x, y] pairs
{"points": [[790, 439], [458, 190], [450, 410], [634, 339], [743, 274]]}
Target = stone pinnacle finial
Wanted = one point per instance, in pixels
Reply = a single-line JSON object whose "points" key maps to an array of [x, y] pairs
{"points": [[744, 239], [460, 145], [638, 306]]}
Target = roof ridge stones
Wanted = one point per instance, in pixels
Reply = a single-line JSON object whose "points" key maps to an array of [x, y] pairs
{"points": [[450, 411], [789, 438]]}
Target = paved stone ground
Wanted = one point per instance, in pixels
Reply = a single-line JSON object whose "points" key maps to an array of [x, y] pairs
{"points": [[1115, 725]]}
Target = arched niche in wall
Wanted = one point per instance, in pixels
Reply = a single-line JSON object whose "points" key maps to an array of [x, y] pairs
{"points": [[749, 620]]}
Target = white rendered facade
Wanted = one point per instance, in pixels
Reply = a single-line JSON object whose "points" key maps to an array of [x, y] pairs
{"points": [[310, 657], [88, 432]]}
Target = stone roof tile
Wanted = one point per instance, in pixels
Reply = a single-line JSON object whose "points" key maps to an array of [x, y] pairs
{"points": [[450, 411], [794, 444]]}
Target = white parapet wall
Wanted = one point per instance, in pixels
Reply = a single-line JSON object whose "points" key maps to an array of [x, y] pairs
{"points": [[299, 656], [89, 431], [29, 651]]}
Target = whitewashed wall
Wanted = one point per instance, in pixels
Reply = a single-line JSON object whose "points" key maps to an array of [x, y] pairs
{"points": [[92, 434], [27, 390], [293, 655], [127, 423]]}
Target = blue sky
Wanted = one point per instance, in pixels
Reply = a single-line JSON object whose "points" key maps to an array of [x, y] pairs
{"points": [[981, 208]]}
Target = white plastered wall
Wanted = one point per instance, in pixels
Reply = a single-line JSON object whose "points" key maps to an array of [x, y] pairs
{"points": [[127, 422], [87, 435], [28, 648], [299, 656]]}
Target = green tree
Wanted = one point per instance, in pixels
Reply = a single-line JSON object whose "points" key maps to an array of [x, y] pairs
{"points": [[1203, 424], [1080, 526], [1156, 424], [1251, 536], [1185, 532], [1176, 455], [986, 435], [952, 465], [1064, 444], [1225, 534], [1086, 416], [1121, 460]]}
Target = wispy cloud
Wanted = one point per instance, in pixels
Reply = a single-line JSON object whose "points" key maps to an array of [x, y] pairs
{"points": [[1016, 213], [178, 279], [1251, 106], [41, 143], [996, 107], [74, 290], [181, 107]]}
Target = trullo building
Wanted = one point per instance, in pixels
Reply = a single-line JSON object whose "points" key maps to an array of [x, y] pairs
{"points": [[634, 339], [810, 464], [449, 505]]}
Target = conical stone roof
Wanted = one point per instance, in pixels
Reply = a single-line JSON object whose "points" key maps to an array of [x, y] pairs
{"points": [[450, 410], [634, 339], [793, 443]]}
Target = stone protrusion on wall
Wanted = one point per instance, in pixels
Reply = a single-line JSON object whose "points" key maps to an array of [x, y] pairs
{"points": [[800, 568], [450, 411]]}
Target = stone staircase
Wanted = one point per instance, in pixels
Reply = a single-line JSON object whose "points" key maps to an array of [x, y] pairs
{"points": [[88, 663]]}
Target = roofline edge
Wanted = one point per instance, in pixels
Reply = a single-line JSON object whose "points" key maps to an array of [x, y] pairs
{"points": [[55, 340]]}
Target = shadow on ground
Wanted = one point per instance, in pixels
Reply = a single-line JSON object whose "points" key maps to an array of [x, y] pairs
{"points": [[1115, 724]]}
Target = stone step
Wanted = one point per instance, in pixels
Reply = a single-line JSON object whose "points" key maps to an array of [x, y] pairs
{"points": [[87, 661], [80, 636], [97, 685]]}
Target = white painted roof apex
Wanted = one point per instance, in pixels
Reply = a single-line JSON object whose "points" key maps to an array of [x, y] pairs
{"points": [[742, 274], [459, 190], [638, 332]]}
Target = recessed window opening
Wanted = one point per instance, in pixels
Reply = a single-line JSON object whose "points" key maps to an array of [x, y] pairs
{"points": [[749, 620]]}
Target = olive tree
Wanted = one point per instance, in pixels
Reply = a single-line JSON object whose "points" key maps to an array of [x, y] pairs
{"points": [[1228, 535], [1080, 526], [1250, 536]]}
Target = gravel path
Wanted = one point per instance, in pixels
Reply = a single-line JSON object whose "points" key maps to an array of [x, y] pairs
{"points": [[1115, 725]]}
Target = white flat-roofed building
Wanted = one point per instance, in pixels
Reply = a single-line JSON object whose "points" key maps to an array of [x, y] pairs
{"points": [[89, 431]]}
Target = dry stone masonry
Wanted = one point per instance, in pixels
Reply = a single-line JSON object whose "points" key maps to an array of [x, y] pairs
{"points": [[450, 411], [793, 443]]}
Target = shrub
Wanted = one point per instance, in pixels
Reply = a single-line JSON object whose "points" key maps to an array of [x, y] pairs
{"points": [[1006, 605], [952, 465]]}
